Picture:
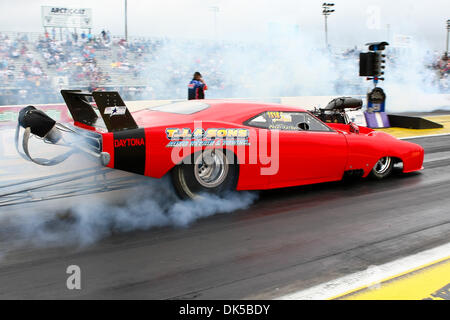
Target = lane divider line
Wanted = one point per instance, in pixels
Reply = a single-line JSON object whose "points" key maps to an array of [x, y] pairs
{"points": [[425, 136], [417, 284], [372, 276]]}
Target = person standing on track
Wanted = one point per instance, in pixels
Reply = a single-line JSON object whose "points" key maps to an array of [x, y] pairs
{"points": [[197, 87]]}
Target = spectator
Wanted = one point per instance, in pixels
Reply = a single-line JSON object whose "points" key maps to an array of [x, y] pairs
{"points": [[197, 87]]}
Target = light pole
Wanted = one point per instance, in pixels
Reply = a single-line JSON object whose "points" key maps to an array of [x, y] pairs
{"points": [[215, 10], [448, 31], [126, 22], [326, 11]]}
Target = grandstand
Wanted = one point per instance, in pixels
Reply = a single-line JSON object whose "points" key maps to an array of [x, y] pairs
{"points": [[106, 56], [35, 66]]}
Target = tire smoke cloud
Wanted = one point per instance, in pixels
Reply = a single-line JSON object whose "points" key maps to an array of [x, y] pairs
{"points": [[84, 221]]}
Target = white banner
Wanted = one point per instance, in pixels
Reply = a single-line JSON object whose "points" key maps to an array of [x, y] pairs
{"points": [[62, 17]]}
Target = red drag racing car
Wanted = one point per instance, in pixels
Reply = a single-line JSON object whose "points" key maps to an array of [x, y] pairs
{"points": [[221, 145]]}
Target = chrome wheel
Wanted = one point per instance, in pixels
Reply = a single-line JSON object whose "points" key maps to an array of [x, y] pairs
{"points": [[211, 171], [383, 165], [211, 168]]}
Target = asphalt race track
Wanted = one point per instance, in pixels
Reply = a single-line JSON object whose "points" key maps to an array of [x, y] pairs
{"points": [[288, 240]]}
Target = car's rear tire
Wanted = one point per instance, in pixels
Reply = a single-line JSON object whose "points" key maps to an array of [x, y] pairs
{"points": [[210, 171], [382, 168]]}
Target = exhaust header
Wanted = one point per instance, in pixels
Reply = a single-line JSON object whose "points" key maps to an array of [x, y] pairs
{"points": [[39, 123]]}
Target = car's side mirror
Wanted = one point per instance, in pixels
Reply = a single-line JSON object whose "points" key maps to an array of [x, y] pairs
{"points": [[353, 128], [303, 126]]}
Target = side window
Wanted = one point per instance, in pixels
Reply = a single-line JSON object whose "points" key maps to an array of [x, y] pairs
{"points": [[289, 121], [315, 124]]}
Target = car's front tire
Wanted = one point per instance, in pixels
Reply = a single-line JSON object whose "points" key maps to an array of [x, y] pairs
{"points": [[210, 171], [382, 168]]}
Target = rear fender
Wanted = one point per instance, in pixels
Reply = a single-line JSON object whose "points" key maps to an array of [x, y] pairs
{"points": [[162, 156]]}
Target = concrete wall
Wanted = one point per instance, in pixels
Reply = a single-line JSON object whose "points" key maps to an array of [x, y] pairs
{"points": [[411, 103]]}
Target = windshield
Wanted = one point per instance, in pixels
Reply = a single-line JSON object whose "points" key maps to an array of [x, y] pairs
{"points": [[287, 121]]}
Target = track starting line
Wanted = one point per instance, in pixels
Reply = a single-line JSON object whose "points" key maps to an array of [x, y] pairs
{"points": [[416, 133]]}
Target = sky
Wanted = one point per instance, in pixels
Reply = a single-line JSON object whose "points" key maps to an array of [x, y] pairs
{"points": [[354, 22]]}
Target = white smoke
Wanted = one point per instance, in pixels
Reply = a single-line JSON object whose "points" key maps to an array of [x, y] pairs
{"points": [[85, 221], [78, 202], [412, 84], [295, 64]]}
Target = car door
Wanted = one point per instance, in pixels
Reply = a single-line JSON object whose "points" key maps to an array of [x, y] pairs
{"points": [[308, 150]]}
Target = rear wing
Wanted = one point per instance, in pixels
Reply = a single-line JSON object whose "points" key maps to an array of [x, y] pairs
{"points": [[112, 109]]}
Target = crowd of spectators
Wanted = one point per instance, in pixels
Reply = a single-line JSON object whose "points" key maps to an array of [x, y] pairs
{"points": [[440, 64], [33, 68], [27, 76], [36, 67]]}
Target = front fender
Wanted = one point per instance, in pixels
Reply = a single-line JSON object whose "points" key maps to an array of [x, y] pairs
{"points": [[366, 149]]}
